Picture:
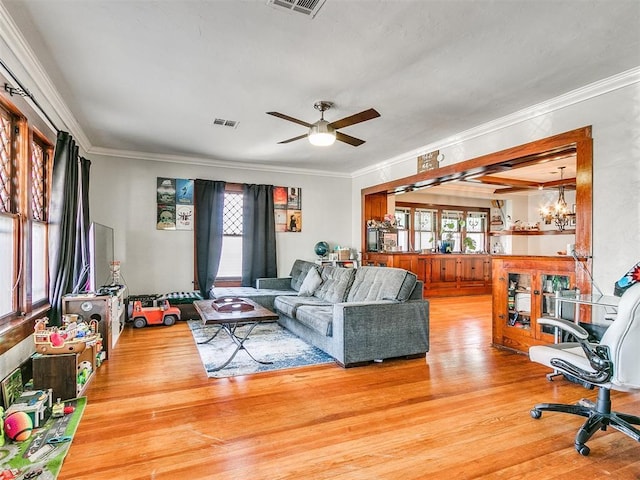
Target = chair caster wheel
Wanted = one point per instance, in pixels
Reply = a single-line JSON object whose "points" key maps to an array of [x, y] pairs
{"points": [[535, 413], [582, 449]]}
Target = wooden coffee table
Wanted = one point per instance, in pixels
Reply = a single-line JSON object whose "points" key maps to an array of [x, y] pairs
{"points": [[230, 321]]}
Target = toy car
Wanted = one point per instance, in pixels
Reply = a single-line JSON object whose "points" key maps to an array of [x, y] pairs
{"points": [[162, 315]]}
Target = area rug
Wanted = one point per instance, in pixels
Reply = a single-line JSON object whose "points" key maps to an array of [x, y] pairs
{"points": [[268, 342], [42, 454]]}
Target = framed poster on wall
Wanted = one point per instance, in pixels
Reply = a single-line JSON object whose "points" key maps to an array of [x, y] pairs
{"points": [[174, 197]]}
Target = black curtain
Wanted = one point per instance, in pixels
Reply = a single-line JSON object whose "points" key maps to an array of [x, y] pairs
{"points": [[68, 223], [81, 260], [209, 210], [258, 234]]}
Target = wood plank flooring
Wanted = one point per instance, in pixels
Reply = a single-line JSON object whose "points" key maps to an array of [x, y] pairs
{"points": [[463, 413]]}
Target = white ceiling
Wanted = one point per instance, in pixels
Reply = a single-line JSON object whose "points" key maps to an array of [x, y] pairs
{"points": [[150, 76]]}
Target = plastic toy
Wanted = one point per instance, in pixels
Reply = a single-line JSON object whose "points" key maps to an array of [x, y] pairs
{"points": [[57, 410], [58, 340], [9, 474], [162, 315], [18, 426]]}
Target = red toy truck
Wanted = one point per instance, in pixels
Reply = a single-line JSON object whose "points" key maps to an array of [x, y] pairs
{"points": [[163, 315]]}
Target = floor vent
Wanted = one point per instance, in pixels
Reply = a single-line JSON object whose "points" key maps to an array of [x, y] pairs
{"points": [[307, 7], [225, 123]]}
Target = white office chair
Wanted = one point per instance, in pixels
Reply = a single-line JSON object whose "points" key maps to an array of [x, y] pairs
{"points": [[611, 364]]}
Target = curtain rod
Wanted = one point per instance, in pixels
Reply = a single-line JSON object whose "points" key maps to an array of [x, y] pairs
{"points": [[24, 92]]}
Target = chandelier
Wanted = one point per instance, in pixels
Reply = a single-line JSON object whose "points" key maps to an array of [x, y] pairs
{"points": [[559, 212]]}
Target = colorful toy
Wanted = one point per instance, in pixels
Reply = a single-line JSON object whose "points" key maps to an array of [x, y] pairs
{"points": [[84, 372], [9, 474], [18, 426], [72, 338], [163, 315], [34, 403], [57, 410]]}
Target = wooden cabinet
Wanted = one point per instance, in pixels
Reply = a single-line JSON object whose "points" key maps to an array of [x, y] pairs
{"points": [[108, 310], [407, 261], [523, 291], [451, 274], [474, 270], [442, 274], [62, 373]]}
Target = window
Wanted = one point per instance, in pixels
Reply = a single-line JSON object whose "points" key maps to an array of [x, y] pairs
{"points": [[39, 271], [451, 228], [403, 224], [475, 236], [465, 227], [231, 257], [8, 219], [424, 228], [25, 157]]}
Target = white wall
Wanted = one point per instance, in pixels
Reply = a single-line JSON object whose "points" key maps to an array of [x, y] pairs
{"points": [[123, 196], [615, 118]]}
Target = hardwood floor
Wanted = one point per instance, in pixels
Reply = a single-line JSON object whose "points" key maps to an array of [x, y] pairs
{"points": [[462, 414]]}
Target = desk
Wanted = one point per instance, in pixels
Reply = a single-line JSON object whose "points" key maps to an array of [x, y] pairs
{"points": [[591, 299], [229, 322]]}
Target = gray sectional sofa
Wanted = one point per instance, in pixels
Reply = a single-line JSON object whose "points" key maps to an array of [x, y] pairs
{"points": [[354, 315]]}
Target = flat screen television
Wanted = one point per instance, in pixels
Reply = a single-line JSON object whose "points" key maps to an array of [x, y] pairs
{"points": [[100, 256]]}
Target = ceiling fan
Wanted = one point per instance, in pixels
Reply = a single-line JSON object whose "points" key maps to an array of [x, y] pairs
{"points": [[323, 133]]}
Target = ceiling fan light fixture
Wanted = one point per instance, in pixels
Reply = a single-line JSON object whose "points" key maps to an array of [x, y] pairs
{"points": [[321, 134]]}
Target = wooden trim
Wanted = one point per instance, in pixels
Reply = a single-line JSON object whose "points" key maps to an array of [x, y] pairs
{"points": [[528, 153], [18, 325], [578, 141], [18, 329]]}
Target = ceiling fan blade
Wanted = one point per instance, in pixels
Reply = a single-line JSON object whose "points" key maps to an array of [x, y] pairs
{"points": [[291, 119], [356, 142], [353, 119], [299, 137]]}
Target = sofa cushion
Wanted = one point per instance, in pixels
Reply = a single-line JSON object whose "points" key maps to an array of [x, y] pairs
{"points": [[335, 284], [247, 292], [299, 272], [288, 304], [312, 281], [317, 318], [381, 283]]}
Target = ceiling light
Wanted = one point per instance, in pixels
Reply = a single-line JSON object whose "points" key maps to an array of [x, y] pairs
{"points": [[321, 134], [558, 212]]}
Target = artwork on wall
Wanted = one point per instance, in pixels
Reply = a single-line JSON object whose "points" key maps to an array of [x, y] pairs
{"points": [[175, 204], [287, 203]]}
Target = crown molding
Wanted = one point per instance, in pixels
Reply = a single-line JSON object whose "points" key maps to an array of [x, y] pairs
{"points": [[207, 162], [30, 63], [578, 95]]}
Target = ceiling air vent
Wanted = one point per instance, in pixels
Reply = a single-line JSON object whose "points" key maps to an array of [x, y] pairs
{"points": [[225, 123], [307, 7]]}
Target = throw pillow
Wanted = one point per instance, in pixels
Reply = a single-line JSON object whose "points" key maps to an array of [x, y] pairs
{"points": [[310, 284], [628, 279]]}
